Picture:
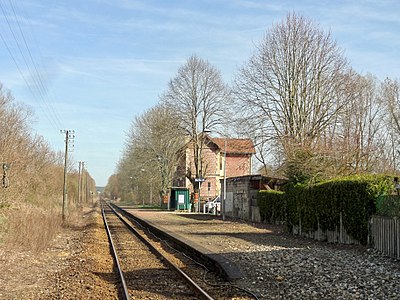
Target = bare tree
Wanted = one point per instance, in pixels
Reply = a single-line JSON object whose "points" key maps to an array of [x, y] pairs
{"points": [[31, 188], [112, 189], [293, 84], [198, 97], [390, 93], [362, 127], [152, 149], [354, 141]]}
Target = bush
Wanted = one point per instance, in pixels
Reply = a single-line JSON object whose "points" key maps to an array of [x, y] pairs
{"points": [[32, 229], [354, 198], [389, 206], [272, 206]]}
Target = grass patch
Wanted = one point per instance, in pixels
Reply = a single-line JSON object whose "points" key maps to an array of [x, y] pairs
{"points": [[32, 229], [3, 227]]}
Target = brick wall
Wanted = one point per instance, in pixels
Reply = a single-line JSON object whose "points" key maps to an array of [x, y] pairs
{"points": [[236, 165]]}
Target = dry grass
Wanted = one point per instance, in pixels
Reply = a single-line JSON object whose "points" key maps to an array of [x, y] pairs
{"points": [[32, 229], [74, 218], [3, 226]]}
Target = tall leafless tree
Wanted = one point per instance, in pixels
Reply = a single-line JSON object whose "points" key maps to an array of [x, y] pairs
{"points": [[152, 149], [390, 93], [198, 96], [353, 143], [293, 84]]}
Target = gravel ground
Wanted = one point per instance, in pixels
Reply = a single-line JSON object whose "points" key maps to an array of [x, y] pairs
{"points": [[146, 276], [280, 266], [78, 264]]}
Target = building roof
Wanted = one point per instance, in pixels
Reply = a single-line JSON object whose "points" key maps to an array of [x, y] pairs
{"points": [[264, 180], [235, 146]]}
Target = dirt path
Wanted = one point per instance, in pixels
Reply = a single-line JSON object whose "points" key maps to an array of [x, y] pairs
{"points": [[77, 265]]}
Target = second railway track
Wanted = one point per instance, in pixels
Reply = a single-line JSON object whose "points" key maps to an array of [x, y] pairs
{"points": [[145, 271], [153, 272]]}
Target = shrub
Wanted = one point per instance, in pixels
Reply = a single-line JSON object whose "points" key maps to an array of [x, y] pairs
{"points": [[272, 206], [32, 228], [322, 203], [388, 206], [352, 198]]}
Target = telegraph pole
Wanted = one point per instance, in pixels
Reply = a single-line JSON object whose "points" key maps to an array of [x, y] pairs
{"points": [[80, 182], [83, 183], [69, 138]]}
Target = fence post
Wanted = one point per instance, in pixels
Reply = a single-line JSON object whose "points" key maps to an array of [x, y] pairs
{"points": [[397, 237], [385, 235], [341, 229]]}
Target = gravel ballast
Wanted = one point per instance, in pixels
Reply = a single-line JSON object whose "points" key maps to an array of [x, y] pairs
{"points": [[280, 266], [78, 265]]}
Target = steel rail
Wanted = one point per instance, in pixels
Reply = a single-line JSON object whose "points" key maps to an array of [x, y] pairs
{"points": [[192, 284], [125, 293]]}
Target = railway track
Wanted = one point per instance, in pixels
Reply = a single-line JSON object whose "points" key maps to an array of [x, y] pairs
{"points": [[144, 271], [151, 270]]}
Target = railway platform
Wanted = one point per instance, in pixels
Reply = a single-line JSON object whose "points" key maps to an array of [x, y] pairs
{"points": [[206, 234], [276, 265]]}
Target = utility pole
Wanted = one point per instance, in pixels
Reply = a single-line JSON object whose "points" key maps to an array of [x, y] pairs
{"points": [[80, 182], [83, 186], [86, 186], [223, 200], [69, 138]]}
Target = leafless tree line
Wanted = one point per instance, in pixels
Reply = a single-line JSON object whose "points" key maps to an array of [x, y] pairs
{"points": [[149, 157], [192, 105], [319, 118], [29, 158], [310, 115], [35, 171], [32, 179]]}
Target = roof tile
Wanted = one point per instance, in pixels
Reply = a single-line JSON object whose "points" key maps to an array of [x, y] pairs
{"points": [[236, 146]]}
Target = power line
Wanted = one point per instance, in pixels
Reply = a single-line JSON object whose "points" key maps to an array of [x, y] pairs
{"points": [[37, 86], [38, 76]]}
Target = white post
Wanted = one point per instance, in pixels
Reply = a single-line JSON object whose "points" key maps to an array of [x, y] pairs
{"points": [[198, 200]]}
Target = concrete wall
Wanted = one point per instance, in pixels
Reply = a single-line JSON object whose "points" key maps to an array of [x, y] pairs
{"points": [[241, 196], [239, 199]]}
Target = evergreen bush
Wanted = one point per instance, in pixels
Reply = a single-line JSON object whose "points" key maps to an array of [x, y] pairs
{"points": [[355, 198], [272, 206]]}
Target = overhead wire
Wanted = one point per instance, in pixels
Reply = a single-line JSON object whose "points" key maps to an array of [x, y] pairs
{"points": [[39, 77], [37, 86]]}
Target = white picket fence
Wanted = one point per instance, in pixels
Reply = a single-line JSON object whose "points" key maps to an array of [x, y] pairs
{"points": [[339, 235], [385, 235]]}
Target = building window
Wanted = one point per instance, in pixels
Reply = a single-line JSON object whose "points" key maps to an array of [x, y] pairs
{"points": [[220, 163], [209, 186]]}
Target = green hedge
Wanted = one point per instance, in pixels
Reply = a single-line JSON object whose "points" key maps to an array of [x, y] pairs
{"points": [[389, 206], [354, 197], [272, 206]]}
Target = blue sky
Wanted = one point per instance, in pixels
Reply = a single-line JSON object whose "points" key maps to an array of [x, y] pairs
{"points": [[101, 63]]}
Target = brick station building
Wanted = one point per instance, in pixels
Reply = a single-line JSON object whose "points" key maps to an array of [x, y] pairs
{"points": [[238, 160]]}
